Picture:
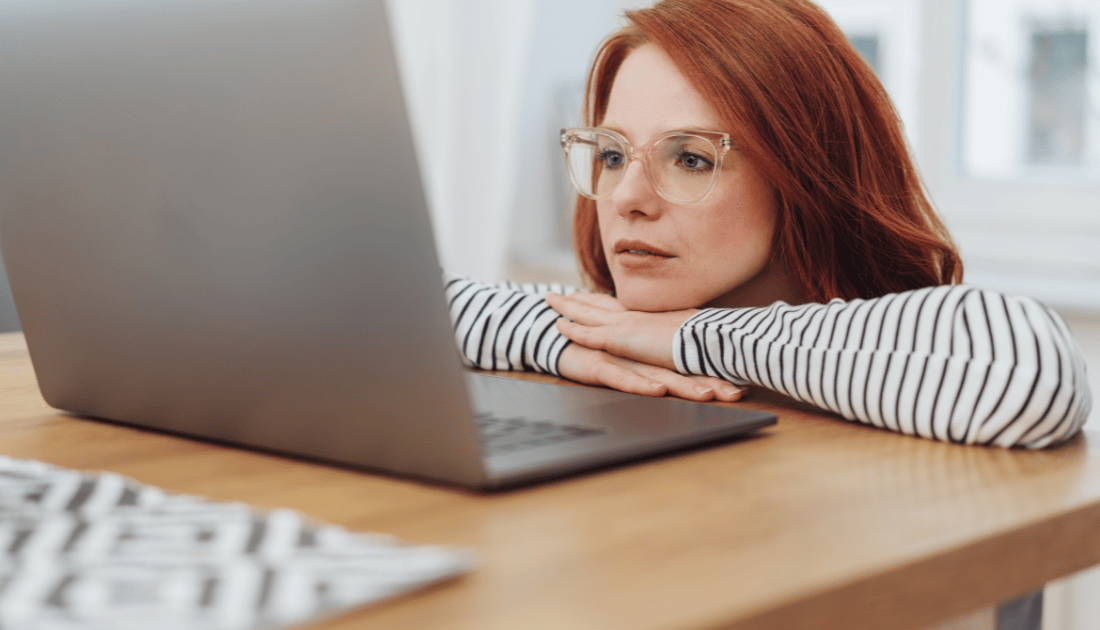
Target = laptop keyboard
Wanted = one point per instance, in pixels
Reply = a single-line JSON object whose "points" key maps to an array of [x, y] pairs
{"points": [[509, 435]]}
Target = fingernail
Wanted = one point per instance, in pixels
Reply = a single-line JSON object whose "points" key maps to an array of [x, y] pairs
{"points": [[704, 391], [730, 390]]}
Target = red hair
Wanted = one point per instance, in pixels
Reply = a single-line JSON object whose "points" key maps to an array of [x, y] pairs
{"points": [[806, 110]]}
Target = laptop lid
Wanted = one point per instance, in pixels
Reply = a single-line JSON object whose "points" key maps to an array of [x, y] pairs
{"points": [[213, 223]]}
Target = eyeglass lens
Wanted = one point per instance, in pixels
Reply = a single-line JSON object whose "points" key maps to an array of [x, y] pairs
{"points": [[682, 167]]}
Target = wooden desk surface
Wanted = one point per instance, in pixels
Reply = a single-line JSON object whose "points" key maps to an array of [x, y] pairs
{"points": [[816, 523]]}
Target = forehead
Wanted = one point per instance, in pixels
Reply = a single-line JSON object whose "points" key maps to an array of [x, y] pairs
{"points": [[650, 96]]}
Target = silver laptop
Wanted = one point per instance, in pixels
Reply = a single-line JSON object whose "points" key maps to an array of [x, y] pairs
{"points": [[214, 225]]}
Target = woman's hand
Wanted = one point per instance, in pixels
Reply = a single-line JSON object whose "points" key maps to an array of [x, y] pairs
{"points": [[628, 350], [596, 367], [601, 322]]}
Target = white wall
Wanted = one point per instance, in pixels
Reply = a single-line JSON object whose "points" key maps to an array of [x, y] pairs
{"points": [[463, 62]]}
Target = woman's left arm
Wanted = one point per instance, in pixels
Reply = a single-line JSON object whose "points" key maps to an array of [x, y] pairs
{"points": [[952, 363]]}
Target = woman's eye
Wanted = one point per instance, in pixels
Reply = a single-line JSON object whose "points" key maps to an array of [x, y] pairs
{"points": [[611, 159], [693, 162]]}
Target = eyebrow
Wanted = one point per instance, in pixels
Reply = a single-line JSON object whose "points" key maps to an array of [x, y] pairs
{"points": [[668, 131]]}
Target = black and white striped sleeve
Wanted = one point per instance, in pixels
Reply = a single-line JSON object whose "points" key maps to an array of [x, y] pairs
{"points": [[506, 326], [952, 363]]}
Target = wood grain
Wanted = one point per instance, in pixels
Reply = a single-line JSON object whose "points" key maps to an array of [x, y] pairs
{"points": [[815, 523]]}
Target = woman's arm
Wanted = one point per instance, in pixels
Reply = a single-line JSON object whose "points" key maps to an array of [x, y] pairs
{"points": [[506, 326], [510, 326], [952, 363]]}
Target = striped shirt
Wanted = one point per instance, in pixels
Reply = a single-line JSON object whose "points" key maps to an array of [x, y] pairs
{"points": [[507, 326], [952, 363]]}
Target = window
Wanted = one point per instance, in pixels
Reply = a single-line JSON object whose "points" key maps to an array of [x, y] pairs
{"points": [[1056, 97], [867, 45], [1011, 93], [1031, 96]]}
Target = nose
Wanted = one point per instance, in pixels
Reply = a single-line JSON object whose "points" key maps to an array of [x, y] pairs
{"points": [[635, 195]]}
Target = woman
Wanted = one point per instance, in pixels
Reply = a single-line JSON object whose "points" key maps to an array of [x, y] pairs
{"points": [[741, 158]]}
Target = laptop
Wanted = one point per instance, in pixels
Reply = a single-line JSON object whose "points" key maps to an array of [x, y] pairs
{"points": [[214, 225]]}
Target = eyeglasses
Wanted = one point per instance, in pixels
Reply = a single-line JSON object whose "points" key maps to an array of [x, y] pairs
{"points": [[681, 165]]}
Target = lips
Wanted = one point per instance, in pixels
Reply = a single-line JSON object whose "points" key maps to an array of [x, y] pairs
{"points": [[640, 248]]}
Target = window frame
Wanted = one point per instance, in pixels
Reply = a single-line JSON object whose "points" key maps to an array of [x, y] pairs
{"points": [[1033, 235]]}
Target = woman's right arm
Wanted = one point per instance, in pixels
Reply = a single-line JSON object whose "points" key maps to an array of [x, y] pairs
{"points": [[506, 326]]}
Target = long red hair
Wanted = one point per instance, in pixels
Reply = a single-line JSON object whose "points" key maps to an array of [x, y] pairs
{"points": [[808, 112]]}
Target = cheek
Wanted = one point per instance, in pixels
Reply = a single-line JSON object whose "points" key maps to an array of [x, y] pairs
{"points": [[759, 229], [738, 242], [747, 216], [602, 212], [733, 253], [603, 224]]}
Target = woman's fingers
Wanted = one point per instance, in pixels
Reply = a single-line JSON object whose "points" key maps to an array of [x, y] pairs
{"points": [[579, 311], [646, 344], [687, 387], [723, 390], [699, 388], [626, 380], [597, 300], [594, 337], [596, 367], [600, 322]]}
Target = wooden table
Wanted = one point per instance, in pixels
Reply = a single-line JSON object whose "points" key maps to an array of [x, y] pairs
{"points": [[815, 523]]}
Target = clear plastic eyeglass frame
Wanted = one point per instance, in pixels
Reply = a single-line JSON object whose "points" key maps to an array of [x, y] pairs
{"points": [[675, 180]]}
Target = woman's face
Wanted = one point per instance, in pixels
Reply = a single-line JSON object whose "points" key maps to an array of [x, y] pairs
{"points": [[668, 256]]}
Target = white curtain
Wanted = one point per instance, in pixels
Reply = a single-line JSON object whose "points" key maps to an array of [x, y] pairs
{"points": [[462, 62]]}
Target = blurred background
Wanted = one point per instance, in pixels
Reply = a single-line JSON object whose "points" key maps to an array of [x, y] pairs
{"points": [[1000, 100]]}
